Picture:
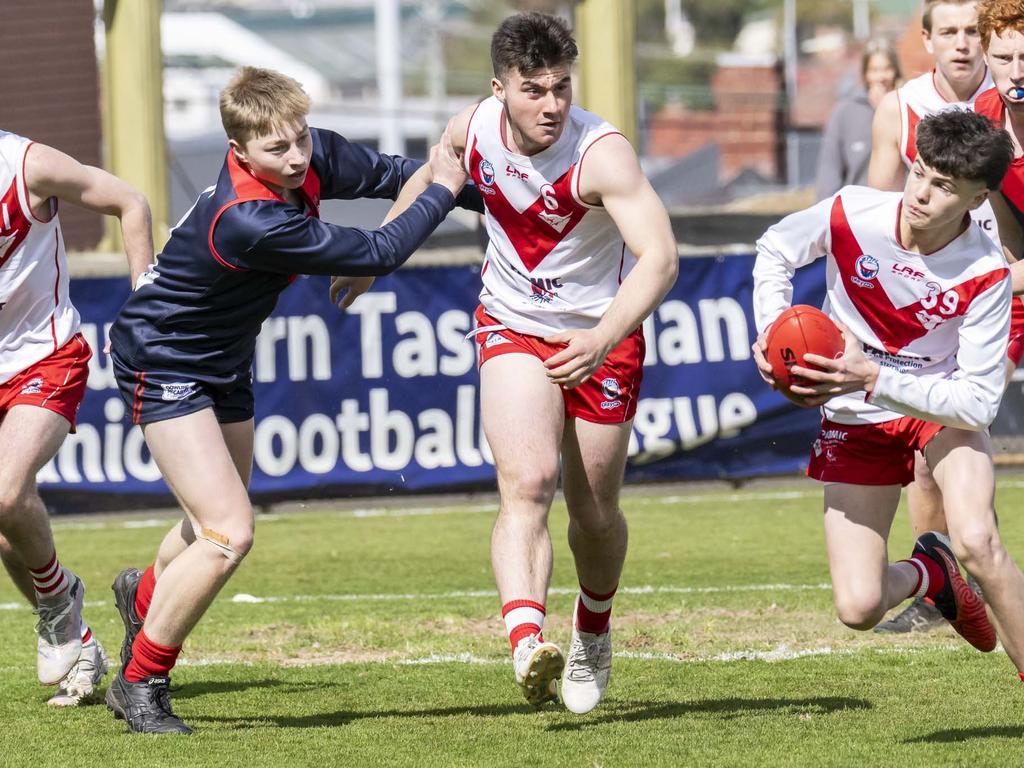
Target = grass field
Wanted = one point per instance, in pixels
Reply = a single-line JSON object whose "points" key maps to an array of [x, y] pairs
{"points": [[372, 637]]}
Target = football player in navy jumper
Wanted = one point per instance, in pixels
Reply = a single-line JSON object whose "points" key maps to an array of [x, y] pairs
{"points": [[183, 344]]}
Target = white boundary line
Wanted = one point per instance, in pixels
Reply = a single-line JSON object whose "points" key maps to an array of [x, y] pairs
{"points": [[780, 653], [384, 597]]}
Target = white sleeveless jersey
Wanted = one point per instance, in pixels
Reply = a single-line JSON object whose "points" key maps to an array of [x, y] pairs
{"points": [[918, 99], [554, 262], [937, 324], [36, 315]]}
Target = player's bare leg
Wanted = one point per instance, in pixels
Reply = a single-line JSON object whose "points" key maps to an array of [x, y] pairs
{"points": [[133, 589], [924, 504], [594, 460], [17, 570], [864, 584], [195, 460], [29, 437], [523, 418], [962, 464]]}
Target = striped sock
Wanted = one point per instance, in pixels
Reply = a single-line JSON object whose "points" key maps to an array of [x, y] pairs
{"points": [[144, 593], [594, 611], [150, 659], [522, 619], [930, 578], [86, 632], [49, 581]]}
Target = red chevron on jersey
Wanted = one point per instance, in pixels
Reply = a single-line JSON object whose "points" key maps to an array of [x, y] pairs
{"points": [[535, 231], [14, 226], [910, 151], [896, 327]]}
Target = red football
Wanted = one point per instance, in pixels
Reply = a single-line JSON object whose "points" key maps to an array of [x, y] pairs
{"points": [[799, 330]]}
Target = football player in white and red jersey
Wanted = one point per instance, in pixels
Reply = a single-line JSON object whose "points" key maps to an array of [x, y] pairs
{"points": [[43, 371], [922, 296], [950, 34], [580, 252], [1001, 26]]}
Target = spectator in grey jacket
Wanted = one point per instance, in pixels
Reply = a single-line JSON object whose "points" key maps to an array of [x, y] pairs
{"points": [[846, 144]]}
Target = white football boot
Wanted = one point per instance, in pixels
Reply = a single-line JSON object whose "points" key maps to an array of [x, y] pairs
{"points": [[538, 665], [80, 684], [587, 669], [60, 632]]}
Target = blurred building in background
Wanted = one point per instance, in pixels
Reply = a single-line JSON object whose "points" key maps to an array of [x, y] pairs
{"points": [[733, 94]]}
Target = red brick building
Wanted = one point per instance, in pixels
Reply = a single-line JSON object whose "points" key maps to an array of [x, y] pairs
{"points": [[50, 89]]}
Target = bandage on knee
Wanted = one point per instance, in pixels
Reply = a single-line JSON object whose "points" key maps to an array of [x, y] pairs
{"points": [[219, 540]]}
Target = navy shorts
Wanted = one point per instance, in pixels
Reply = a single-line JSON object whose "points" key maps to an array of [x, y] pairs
{"points": [[160, 395]]}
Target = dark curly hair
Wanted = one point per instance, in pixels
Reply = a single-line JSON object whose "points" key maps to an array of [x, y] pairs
{"points": [[965, 145], [529, 41]]}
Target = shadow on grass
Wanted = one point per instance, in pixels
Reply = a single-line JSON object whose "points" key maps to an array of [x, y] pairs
{"points": [[213, 687], [954, 735], [633, 711], [613, 712], [327, 719]]}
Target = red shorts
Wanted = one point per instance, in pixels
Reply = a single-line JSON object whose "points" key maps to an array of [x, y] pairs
{"points": [[56, 383], [1015, 351], [609, 396], [869, 454]]}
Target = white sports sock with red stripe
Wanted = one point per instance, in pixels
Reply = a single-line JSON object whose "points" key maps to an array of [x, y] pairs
{"points": [[522, 619], [50, 581]]}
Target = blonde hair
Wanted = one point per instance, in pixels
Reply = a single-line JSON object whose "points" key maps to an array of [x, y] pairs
{"points": [[257, 100], [998, 16]]}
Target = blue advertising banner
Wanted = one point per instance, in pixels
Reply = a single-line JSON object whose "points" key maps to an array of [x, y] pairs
{"points": [[385, 397]]}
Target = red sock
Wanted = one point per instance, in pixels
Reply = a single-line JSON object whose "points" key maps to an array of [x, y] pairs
{"points": [[522, 619], [49, 580], [86, 632], [149, 659], [144, 594], [936, 577], [594, 611], [1021, 676]]}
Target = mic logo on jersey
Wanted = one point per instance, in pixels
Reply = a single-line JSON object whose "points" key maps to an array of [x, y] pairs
{"points": [[867, 270], [544, 289]]}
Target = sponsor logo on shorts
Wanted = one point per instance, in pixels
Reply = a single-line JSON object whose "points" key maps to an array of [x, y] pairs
{"points": [[835, 435], [33, 386], [178, 390], [612, 392], [866, 268], [494, 339]]}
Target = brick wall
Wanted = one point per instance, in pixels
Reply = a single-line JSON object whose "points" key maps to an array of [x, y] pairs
{"points": [[746, 123], [49, 89]]}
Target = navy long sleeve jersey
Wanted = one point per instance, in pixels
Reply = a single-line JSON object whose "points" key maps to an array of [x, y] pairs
{"points": [[221, 271]]}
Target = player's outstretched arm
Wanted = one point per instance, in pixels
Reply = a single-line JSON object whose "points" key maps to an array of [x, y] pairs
{"points": [[345, 289], [455, 134], [278, 238], [611, 176], [51, 173], [886, 170]]}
